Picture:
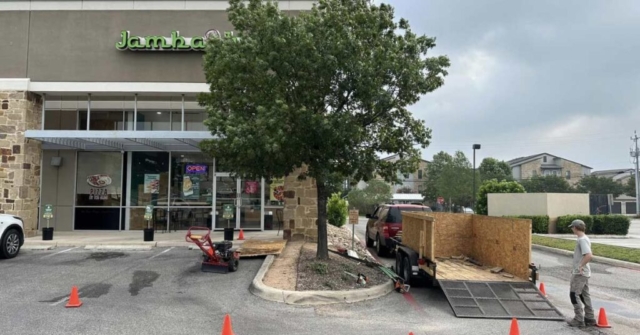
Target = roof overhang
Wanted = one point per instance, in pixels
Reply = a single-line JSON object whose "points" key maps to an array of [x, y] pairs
{"points": [[124, 140]]}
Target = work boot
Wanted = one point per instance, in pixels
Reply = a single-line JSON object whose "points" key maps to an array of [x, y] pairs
{"points": [[590, 322], [575, 323]]}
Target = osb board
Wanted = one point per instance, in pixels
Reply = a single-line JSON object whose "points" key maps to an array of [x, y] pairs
{"points": [[503, 242], [453, 234], [253, 248], [451, 269], [415, 225]]}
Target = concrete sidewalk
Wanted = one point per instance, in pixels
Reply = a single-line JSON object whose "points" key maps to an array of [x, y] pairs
{"points": [[632, 240], [132, 240]]}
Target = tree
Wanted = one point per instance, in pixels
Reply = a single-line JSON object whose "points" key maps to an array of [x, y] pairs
{"points": [[630, 187], [325, 90], [547, 184], [599, 185], [405, 190], [491, 168], [450, 177], [376, 192], [494, 186]]}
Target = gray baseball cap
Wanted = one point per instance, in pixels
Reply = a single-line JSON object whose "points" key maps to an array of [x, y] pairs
{"points": [[577, 223]]}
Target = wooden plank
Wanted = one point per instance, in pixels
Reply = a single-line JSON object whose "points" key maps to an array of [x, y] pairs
{"points": [[458, 270], [254, 248]]}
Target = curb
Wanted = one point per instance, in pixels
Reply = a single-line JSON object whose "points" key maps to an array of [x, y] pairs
{"points": [[597, 259], [311, 298], [37, 247]]}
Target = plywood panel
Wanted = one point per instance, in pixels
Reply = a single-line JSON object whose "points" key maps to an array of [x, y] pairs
{"points": [[502, 242], [453, 234], [417, 232], [450, 269]]}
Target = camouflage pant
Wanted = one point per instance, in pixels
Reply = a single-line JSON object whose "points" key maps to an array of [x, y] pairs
{"points": [[580, 289]]}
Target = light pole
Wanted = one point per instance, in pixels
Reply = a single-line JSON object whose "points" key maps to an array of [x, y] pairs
{"points": [[473, 194]]}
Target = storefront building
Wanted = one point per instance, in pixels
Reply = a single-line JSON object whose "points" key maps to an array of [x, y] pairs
{"points": [[99, 118]]}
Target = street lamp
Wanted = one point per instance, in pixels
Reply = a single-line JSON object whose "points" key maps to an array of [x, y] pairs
{"points": [[473, 202]]}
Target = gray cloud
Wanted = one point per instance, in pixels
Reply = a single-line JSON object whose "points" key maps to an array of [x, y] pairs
{"points": [[533, 76]]}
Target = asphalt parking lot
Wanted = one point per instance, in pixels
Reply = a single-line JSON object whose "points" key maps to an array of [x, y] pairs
{"points": [[162, 291]]}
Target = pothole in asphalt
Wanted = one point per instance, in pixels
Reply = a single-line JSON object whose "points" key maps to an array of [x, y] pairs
{"points": [[142, 279], [102, 256]]}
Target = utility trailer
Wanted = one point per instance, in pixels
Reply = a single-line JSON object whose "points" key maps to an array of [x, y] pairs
{"points": [[481, 263]]}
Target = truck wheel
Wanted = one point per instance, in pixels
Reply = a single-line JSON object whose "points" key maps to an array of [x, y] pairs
{"points": [[399, 264], [380, 249], [406, 270], [369, 240]]}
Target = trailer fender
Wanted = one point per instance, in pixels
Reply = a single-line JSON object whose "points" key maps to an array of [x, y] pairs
{"points": [[413, 258]]}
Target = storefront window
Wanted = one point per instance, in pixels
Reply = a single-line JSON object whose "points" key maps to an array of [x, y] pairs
{"points": [[193, 120], [103, 120], [191, 179], [99, 179], [149, 178], [153, 120]]}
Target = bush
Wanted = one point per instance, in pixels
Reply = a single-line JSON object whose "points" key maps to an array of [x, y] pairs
{"points": [[562, 227], [611, 224], [539, 223], [494, 186], [337, 211]]}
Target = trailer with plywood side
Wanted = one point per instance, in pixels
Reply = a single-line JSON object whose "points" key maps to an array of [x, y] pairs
{"points": [[482, 264]]}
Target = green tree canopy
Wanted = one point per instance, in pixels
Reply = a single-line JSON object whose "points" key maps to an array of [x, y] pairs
{"points": [[375, 193], [494, 186], [547, 184], [630, 187], [327, 89], [491, 168], [599, 185], [450, 177]]}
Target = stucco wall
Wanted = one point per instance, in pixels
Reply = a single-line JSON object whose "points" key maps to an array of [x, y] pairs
{"points": [[508, 204], [58, 188], [551, 204]]}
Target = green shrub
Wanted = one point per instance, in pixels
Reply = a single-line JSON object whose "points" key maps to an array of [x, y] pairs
{"points": [[539, 223], [337, 211], [494, 186], [611, 224], [562, 227], [319, 267]]}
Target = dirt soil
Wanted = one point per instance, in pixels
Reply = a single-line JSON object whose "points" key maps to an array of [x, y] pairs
{"points": [[341, 237], [283, 272], [314, 275]]}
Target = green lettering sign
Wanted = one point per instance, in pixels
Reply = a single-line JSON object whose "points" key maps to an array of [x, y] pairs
{"points": [[175, 42]]}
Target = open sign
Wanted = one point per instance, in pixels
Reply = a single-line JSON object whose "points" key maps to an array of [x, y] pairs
{"points": [[196, 169]]}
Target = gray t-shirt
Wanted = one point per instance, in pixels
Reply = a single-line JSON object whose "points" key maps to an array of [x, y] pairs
{"points": [[583, 247]]}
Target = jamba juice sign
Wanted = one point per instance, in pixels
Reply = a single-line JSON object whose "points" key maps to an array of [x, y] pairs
{"points": [[175, 42]]}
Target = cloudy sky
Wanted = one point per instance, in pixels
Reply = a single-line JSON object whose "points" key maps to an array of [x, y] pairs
{"points": [[533, 76]]}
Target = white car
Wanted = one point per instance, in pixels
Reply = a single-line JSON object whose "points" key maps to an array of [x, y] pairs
{"points": [[11, 235]]}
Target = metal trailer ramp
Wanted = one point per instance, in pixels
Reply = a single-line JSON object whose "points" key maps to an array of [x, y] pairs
{"points": [[498, 300]]}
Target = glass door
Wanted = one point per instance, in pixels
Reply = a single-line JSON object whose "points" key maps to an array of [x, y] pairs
{"points": [[246, 198], [226, 189]]}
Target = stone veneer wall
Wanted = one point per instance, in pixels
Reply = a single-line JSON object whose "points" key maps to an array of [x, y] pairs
{"points": [[300, 206], [20, 157]]}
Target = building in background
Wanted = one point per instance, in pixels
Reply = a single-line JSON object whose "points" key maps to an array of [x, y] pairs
{"points": [[625, 203], [409, 183], [99, 118], [545, 164]]}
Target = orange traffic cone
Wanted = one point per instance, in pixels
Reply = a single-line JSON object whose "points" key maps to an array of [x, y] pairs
{"points": [[226, 326], [544, 293], [241, 236], [602, 319], [515, 329], [410, 333], [74, 300]]}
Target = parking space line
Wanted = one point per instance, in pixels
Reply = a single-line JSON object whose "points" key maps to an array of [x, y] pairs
{"points": [[59, 252], [61, 301], [154, 256]]}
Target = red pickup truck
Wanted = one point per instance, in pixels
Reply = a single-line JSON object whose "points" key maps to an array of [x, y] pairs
{"points": [[385, 223]]}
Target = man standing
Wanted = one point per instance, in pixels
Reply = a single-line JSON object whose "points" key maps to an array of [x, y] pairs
{"points": [[580, 278]]}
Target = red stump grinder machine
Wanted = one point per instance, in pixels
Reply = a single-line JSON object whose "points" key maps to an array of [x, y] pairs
{"points": [[218, 257]]}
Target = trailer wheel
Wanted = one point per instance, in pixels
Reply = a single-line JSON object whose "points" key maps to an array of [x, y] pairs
{"points": [[399, 264], [406, 270]]}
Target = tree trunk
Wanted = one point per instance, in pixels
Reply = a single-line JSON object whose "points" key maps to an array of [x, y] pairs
{"points": [[323, 248]]}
